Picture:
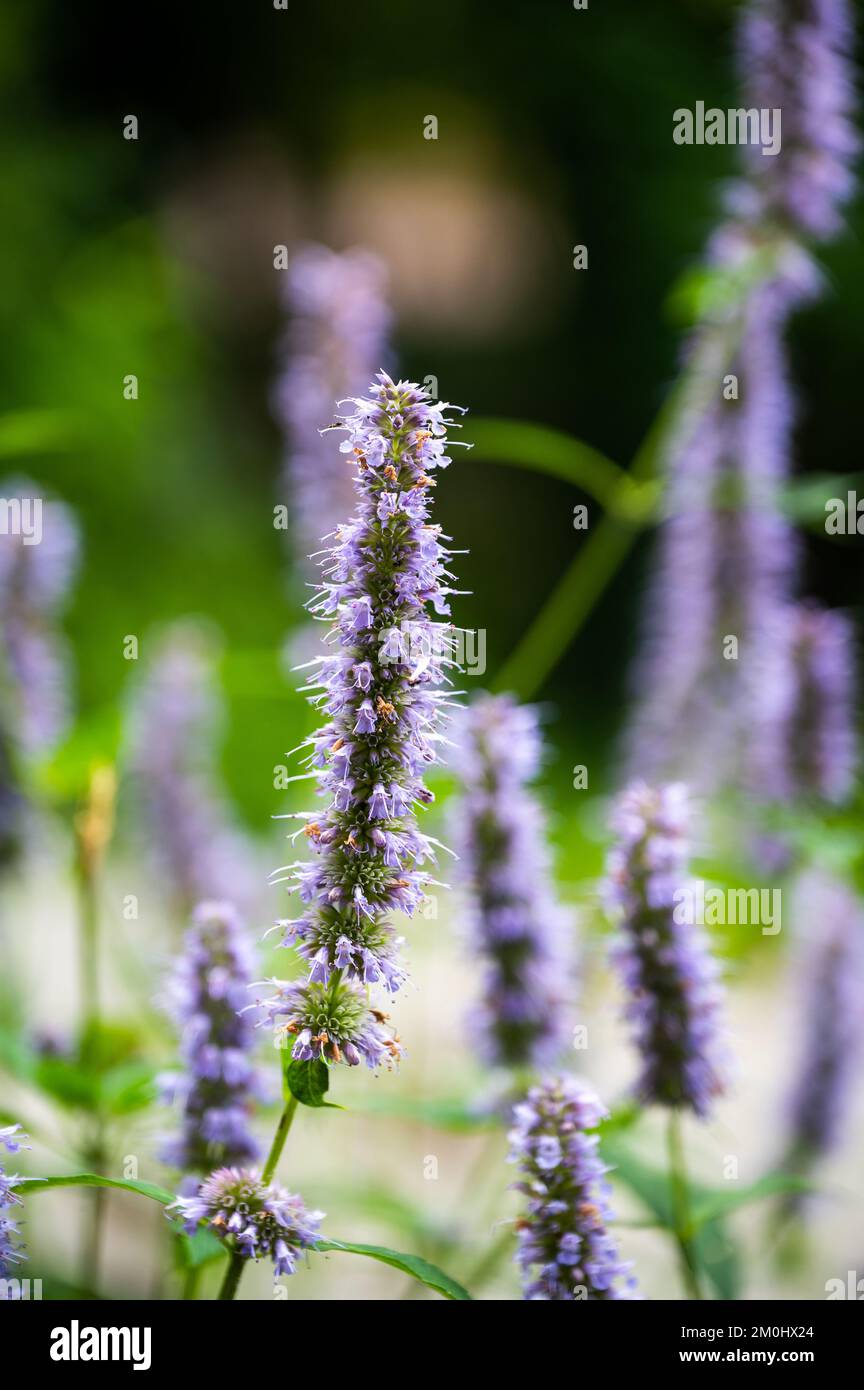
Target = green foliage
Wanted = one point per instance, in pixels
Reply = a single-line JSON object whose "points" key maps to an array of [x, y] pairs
{"points": [[307, 1082], [418, 1268]]}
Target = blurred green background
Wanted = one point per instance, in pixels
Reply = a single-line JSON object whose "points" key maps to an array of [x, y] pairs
{"points": [[260, 127]]}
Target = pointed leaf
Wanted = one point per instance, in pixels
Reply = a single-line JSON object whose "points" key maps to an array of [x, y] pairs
{"points": [[417, 1268]]}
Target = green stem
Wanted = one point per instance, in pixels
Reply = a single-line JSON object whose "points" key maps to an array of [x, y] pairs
{"points": [[190, 1283], [237, 1262], [233, 1275], [603, 553], [680, 1194], [285, 1121]]}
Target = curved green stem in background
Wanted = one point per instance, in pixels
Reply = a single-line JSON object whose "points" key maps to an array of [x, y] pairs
{"points": [[631, 506], [536, 447]]}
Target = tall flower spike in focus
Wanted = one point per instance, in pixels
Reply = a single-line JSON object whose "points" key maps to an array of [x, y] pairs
{"points": [[565, 1251], [174, 725], [12, 1252], [668, 972], [335, 342], [262, 1219], [382, 693], [797, 56], [518, 927], [219, 1083], [831, 988], [38, 560]]}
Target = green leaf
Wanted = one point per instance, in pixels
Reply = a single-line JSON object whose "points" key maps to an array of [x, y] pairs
{"points": [[712, 1245], [719, 1203], [29, 1186], [427, 1273], [307, 1082], [199, 1249]]}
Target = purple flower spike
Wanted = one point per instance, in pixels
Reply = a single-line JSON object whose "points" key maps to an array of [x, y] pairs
{"points": [[518, 928], [565, 1251], [671, 979], [832, 1028], [799, 58], [807, 743], [175, 721], [261, 1220], [219, 1082], [335, 343], [382, 711], [38, 560], [12, 1251]]}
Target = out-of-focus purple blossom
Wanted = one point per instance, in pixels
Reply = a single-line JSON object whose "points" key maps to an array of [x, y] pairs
{"points": [[38, 559], [12, 1252], [219, 1083], [673, 994], [831, 1014], [336, 341], [174, 727], [333, 1023], [565, 1251], [381, 692], [727, 555], [807, 745], [261, 1220], [518, 927], [797, 56]]}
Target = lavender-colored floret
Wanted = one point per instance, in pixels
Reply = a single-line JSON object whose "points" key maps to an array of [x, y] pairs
{"points": [[565, 1252], [518, 928], [219, 1083], [798, 58], [175, 720], [335, 343], [262, 1220], [671, 979], [37, 568], [12, 1252], [830, 990]]}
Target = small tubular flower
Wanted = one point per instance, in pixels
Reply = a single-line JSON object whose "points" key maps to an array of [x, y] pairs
{"points": [[333, 1023], [263, 1220], [565, 1251]]}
